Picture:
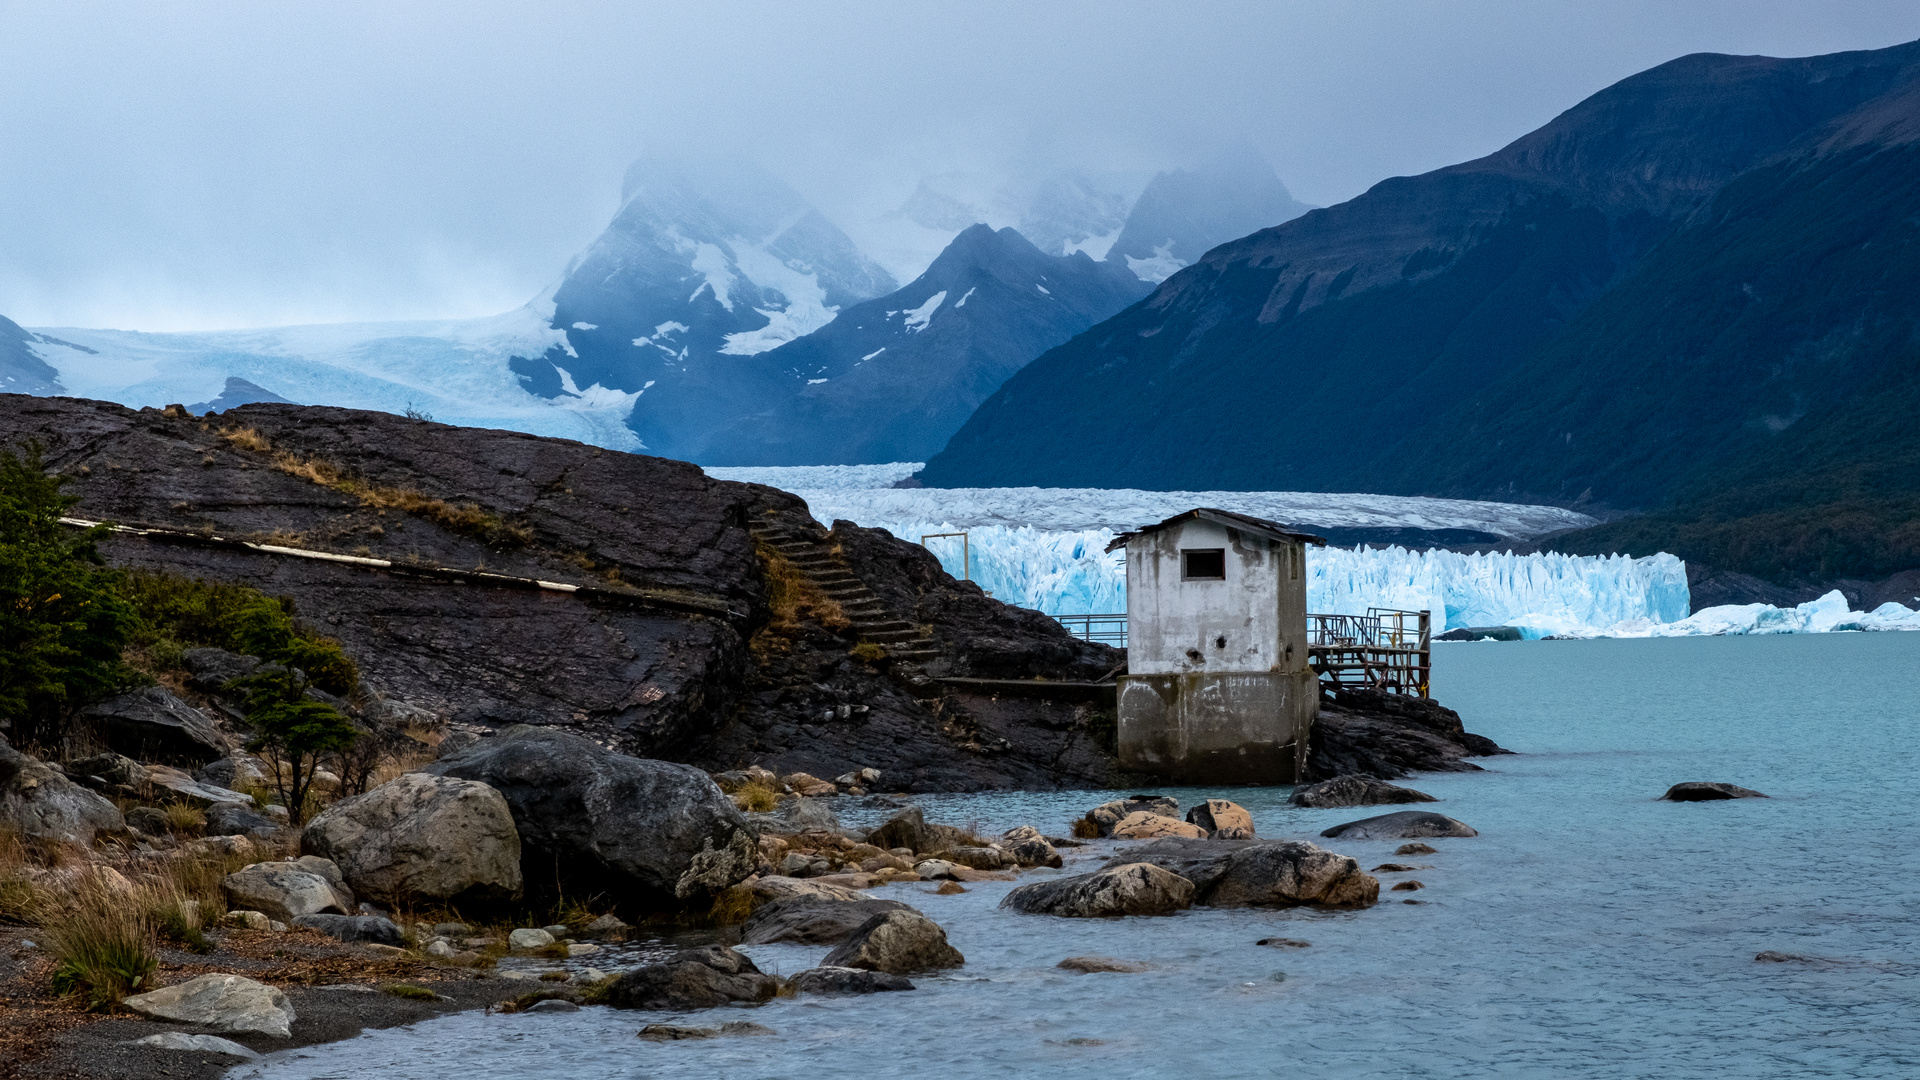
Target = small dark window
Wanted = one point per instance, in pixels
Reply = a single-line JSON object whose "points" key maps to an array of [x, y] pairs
{"points": [[1204, 564]]}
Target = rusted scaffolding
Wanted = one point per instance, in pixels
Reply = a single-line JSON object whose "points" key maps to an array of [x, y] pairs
{"points": [[1385, 649]]}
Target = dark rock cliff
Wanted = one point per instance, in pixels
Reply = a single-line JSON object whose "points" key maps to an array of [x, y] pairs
{"points": [[666, 653]]}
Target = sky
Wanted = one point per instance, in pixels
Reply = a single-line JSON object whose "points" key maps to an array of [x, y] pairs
{"points": [[177, 166]]}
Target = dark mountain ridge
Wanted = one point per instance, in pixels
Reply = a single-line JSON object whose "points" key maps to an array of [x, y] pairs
{"points": [[1697, 284]]}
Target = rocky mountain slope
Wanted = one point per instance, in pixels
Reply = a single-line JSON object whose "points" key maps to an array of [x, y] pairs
{"points": [[22, 371], [1691, 293], [667, 627], [1184, 213], [893, 378]]}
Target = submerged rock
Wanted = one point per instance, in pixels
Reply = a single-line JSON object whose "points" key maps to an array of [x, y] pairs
{"points": [[1222, 820], [1263, 873], [229, 1004], [1087, 965], [1135, 888], [898, 943], [1707, 791], [812, 920], [435, 839], [846, 980], [1404, 825], [692, 979], [609, 822], [1355, 791], [1415, 849]]}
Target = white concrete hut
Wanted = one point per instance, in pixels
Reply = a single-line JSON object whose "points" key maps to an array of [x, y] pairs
{"points": [[1218, 689]]}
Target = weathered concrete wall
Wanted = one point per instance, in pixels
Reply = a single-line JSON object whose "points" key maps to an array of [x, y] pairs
{"points": [[1254, 620], [1217, 727]]}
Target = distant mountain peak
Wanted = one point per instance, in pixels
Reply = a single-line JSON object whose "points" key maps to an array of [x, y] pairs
{"points": [[1184, 213]]}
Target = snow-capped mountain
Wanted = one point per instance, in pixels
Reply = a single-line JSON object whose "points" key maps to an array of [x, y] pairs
{"points": [[1186, 212], [1059, 212], [22, 370], [704, 260], [892, 378]]}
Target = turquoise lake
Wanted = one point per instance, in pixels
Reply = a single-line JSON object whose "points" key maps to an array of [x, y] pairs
{"points": [[1589, 931]]}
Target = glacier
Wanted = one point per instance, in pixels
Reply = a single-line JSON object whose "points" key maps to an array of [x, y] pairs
{"points": [[1045, 548]]}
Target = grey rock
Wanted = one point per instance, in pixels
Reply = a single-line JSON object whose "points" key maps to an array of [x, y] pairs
{"points": [[1262, 873], [457, 743], [1284, 943], [846, 980], [1355, 791], [978, 858], [794, 814], [228, 1004], [898, 943], [284, 891], [37, 803], [110, 767], [906, 829], [1707, 791], [238, 819], [811, 920], [187, 789], [612, 823], [433, 839], [210, 670], [1026, 846], [1222, 820], [153, 724], [745, 1028], [529, 937], [1405, 825], [233, 771], [150, 820], [692, 979], [373, 929], [206, 1044], [552, 1005], [1134, 888], [773, 888]]}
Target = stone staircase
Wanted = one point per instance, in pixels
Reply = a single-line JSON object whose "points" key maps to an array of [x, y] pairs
{"points": [[870, 618]]}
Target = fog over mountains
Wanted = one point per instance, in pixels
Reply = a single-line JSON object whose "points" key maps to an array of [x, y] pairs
{"points": [[694, 325]]}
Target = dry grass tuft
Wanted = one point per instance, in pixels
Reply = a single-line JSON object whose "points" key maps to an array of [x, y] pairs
{"points": [[102, 943], [247, 439], [868, 652], [1085, 830], [756, 795], [793, 597], [184, 817]]}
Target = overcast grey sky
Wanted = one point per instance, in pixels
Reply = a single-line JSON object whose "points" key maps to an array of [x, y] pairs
{"points": [[192, 166]]}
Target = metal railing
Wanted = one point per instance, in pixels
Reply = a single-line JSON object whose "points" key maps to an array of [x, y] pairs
{"points": [[1386, 649], [1105, 629]]}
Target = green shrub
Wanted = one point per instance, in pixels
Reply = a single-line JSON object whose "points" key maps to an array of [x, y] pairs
{"points": [[176, 613], [293, 732], [63, 620], [409, 992]]}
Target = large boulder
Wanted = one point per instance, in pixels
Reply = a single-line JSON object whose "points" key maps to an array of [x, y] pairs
{"points": [[38, 803], [1027, 846], [898, 943], [153, 724], [435, 839], [845, 980], [1405, 825], [633, 828], [236, 770], [181, 785], [1708, 791], [1262, 873], [107, 768], [1104, 817], [229, 1004], [812, 920], [287, 890], [1135, 888], [692, 979], [1355, 791], [1222, 820]]}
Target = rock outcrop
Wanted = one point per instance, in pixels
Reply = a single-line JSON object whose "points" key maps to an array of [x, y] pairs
{"points": [[898, 943], [1261, 873], [1135, 888], [153, 724], [640, 831], [1102, 819], [228, 1004], [845, 980], [1405, 825], [38, 803], [1708, 791], [1387, 736], [1222, 820], [812, 920], [692, 979], [434, 839], [1355, 791], [284, 891]]}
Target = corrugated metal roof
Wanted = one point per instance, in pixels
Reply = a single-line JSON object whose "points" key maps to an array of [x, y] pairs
{"points": [[1272, 530]]}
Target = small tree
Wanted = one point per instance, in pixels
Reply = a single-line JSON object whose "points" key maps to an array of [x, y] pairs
{"points": [[293, 731], [63, 620]]}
